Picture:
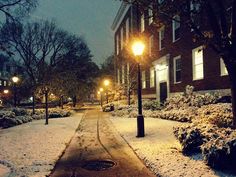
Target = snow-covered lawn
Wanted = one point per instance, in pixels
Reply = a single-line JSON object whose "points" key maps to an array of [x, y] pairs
{"points": [[159, 148], [32, 149]]}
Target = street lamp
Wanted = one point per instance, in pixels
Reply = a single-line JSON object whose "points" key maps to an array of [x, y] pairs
{"points": [[106, 83], [15, 79], [45, 91], [138, 48], [100, 91], [6, 91]]}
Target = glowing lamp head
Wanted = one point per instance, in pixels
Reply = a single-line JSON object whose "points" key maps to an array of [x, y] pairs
{"points": [[101, 89], [106, 82], [99, 92], [15, 79], [5, 91], [138, 48]]}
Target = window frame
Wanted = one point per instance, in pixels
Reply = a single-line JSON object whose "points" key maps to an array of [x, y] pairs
{"points": [[162, 29], [152, 84], [174, 22], [175, 69], [144, 83], [194, 65]]}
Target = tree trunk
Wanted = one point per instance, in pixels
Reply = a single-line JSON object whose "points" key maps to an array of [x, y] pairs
{"points": [[46, 108], [129, 94], [33, 103], [74, 101], [61, 102], [233, 94]]}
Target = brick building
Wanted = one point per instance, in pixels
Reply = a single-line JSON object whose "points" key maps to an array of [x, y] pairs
{"points": [[171, 59]]}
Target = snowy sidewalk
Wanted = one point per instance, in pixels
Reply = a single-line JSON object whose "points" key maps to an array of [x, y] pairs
{"points": [[32, 149], [159, 149]]}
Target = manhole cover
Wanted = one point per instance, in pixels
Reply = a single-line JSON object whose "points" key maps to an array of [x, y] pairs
{"points": [[98, 165]]}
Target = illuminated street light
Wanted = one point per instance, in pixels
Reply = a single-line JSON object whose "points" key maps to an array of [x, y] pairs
{"points": [[6, 91], [106, 83], [138, 49], [15, 80]]}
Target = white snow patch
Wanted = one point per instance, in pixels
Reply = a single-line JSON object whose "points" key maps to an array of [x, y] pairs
{"points": [[159, 149], [32, 149]]}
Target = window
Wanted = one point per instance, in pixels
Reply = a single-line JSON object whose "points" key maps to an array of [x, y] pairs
{"points": [[4, 83], [223, 69], [197, 55], [150, 15], [143, 79], [161, 38], [127, 29], [121, 38], [117, 44], [176, 28], [160, 1], [1, 82], [142, 25], [123, 74], [118, 76], [194, 12], [177, 69], [152, 77], [150, 45]]}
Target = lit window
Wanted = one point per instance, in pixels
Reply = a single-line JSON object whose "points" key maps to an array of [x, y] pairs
{"points": [[161, 38], [143, 79], [150, 45], [176, 28], [127, 29], [142, 27], [121, 38], [150, 15], [118, 76], [1, 82], [198, 72], [4, 83], [117, 44], [152, 77], [177, 69], [223, 69]]}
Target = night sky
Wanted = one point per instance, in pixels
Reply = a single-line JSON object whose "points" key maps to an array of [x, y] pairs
{"points": [[90, 18]]}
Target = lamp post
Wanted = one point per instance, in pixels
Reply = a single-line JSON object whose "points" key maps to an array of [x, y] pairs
{"points": [[15, 79], [106, 83], [101, 90], [138, 48], [45, 91]]}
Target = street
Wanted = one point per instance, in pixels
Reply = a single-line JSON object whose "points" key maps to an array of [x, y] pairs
{"points": [[97, 139]]}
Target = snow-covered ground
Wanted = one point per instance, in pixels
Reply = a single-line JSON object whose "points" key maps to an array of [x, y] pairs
{"points": [[32, 149], [160, 150]]}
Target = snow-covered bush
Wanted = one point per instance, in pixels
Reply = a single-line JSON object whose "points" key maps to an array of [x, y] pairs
{"points": [[190, 99], [108, 107], [190, 138], [217, 114], [20, 111], [220, 152], [218, 145], [151, 105]]}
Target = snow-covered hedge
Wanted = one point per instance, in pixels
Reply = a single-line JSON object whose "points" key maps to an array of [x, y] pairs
{"points": [[151, 105], [108, 107], [217, 114], [16, 116], [218, 145], [190, 99]]}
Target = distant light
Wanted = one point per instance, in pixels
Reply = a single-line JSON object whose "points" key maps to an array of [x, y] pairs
{"points": [[138, 48], [5, 91], [31, 98], [101, 89], [15, 79], [99, 92], [106, 82]]}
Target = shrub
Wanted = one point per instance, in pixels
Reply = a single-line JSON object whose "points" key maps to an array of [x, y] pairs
{"points": [[151, 105], [190, 99], [108, 107], [20, 111]]}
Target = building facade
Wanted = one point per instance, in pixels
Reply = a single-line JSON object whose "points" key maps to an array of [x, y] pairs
{"points": [[172, 60]]}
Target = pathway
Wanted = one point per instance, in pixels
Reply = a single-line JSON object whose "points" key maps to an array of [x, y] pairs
{"points": [[96, 139]]}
